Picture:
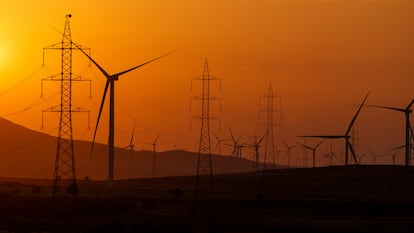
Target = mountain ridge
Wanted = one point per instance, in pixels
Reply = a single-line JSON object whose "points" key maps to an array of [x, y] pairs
{"points": [[27, 153]]}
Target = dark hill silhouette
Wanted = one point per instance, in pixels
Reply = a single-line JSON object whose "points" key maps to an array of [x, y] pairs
{"points": [[31, 154]]}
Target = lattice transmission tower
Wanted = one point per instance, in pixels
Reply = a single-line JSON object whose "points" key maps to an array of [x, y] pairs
{"points": [[65, 171], [273, 120], [204, 177]]}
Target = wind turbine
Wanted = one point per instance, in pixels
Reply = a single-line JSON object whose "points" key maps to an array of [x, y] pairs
{"points": [[393, 155], [110, 83], [288, 150], [375, 156], [360, 157], [154, 156], [313, 149], [256, 145], [219, 142], [131, 147], [240, 150], [396, 151], [235, 145], [330, 154], [346, 136], [407, 111]]}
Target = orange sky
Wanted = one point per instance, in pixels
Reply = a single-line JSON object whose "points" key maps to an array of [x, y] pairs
{"points": [[321, 56]]}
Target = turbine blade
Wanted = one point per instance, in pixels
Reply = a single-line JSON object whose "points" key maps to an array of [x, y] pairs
{"points": [[411, 104], [145, 63], [324, 136], [94, 62], [397, 148], [370, 151], [232, 136], [385, 107], [319, 144], [286, 153], [352, 152], [99, 117], [262, 138], [132, 135], [215, 148], [356, 115], [215, 135], [304, 145], [411, 130], [156, 139]]}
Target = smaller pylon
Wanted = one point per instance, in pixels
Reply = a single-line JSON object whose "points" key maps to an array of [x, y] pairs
{"points": [[154, 156], [270, 149], [204, 174]]}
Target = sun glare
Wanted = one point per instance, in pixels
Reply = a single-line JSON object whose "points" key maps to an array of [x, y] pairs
{"points": [[3, 55]]}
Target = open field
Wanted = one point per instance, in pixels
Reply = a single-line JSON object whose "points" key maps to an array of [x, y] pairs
{"points": [[331, 199]]}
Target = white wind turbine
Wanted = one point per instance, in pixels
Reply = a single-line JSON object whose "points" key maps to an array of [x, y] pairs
{"points": [[110, 83]]}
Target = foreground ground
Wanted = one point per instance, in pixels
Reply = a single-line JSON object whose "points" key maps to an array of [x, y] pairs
{"points": [[333, 199]]}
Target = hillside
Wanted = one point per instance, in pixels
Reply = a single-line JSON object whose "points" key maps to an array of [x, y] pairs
{"points": [[28, 153]]}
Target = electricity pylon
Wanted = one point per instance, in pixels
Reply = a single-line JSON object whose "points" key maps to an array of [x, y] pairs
{"points": [[269, 150], [270, 109], [204, 161], [65, 171]]}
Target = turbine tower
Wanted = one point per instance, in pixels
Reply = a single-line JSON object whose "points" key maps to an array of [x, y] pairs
{"points": [[110, 83], [204, 161], [407, 111], [65, 171]]}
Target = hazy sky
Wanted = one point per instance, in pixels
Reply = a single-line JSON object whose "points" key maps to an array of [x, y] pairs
{"points": [[321, 56]]}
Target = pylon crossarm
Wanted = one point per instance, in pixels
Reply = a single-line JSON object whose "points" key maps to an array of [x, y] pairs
{"points": [[53, 109]]}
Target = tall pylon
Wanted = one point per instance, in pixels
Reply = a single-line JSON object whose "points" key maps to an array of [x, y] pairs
{"points": [[270, 109], [270, 150], [204, 177], [65, 171]]}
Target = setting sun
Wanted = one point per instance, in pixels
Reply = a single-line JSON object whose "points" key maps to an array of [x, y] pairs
{"points": [[3, 55]]}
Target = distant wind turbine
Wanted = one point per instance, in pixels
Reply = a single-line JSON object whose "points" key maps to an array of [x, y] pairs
{"points": [[361, 156], [393, 155], [313, 149], [235, 145], [219, 142], [131, 147], [110, 83], [375, 156], [256, 145], [407, 111], [288, 151], [346, 136], [330, 154], [154, 155]]}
